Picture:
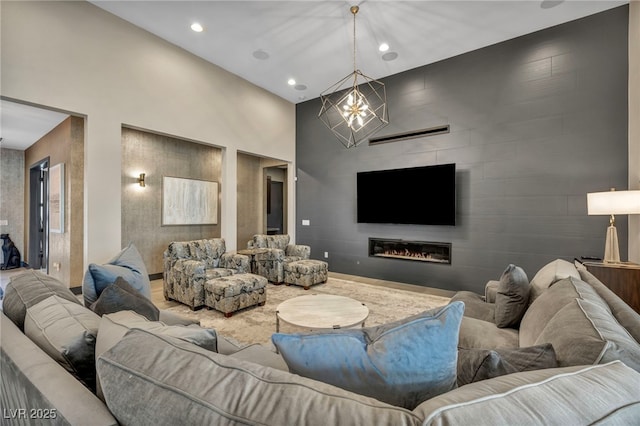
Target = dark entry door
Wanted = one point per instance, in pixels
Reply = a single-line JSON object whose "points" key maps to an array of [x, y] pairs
{"points": [[38, 214], [275, 216]]}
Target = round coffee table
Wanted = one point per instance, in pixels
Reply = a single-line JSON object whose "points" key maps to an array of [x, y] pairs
{"points": [[321, 311]]}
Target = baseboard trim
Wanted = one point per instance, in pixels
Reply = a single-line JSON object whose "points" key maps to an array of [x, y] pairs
{"points": [[76, 290], [157, 276]]}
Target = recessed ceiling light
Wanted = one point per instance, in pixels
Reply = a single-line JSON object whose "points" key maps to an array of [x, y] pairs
{"points": [[548, 4], [383, 47], [300, 87], [197, 27], [389, 56], [291, 82], [260, 54]]}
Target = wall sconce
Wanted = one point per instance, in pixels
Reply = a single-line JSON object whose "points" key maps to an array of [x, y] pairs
{"points": [[141, 180]]}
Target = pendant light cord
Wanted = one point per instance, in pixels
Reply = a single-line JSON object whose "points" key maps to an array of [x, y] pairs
{"points": [[354, 38]]}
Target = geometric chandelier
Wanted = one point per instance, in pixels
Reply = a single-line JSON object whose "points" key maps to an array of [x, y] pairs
{"points": [[355, 107]]}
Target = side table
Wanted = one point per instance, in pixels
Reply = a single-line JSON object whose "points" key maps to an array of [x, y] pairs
{"points": [[252, 256], [621, 278]]}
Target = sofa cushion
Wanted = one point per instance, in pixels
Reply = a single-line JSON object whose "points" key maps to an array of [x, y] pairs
{"points": [[544, 308], [549, 274], [32, 380], [481, 364], [199, 387], [66, 331], [122, 297], [475, 305], [585, 333], [29, 288], [624, 313], [402, 363], [278, 241], [208, 251], [127, 264], [114, 326], [478, 334], [602, 394], [512, 297], [261, 355]]}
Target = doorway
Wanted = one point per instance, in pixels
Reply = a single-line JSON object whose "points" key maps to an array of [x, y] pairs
{"points": [[38, 214], [275, 207], [275, 199]]}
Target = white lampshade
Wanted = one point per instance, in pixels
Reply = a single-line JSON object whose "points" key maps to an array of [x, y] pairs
{"points": [[613, 202]]}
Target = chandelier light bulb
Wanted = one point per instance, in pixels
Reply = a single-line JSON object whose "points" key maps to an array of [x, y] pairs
{"points": [[355, 108]]}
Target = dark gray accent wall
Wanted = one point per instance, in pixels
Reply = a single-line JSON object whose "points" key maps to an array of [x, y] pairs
{"points": [[536, 123]]}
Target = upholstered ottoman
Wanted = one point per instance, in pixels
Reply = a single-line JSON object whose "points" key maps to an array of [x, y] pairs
{"points": [[305, 273], [234, 292]]}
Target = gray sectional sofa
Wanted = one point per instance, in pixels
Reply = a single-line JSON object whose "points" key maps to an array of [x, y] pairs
{"points": [[584, 321], [151, 373]]}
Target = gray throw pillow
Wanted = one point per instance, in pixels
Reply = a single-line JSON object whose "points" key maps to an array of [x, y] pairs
{"points": [[29, 288], [127, 264], [66, 331], [122, 297], [113, 328], [402, 363], [512, 297], [481, 364]]}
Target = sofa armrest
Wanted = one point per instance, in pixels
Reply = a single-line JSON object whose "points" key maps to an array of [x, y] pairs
{"points": [[235, 261], [475, 306], [298, 250], [33, 382], [490, 290], [273, 254], [579, 395], [172, 318]]}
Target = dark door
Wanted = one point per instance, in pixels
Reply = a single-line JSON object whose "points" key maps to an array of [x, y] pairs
{"points": [[38, 213], [275, 208]]}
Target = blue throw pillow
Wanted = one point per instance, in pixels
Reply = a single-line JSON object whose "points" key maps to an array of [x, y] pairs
{"points": [[402, 363], [127, 264]]}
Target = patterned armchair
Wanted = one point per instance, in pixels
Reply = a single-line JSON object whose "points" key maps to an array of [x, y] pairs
{"points": [[270, 264], [188, 265]]}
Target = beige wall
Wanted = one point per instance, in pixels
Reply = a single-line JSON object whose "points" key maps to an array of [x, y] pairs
{"points": [[75, 57], [63, 144], [250, 217], [634, 123], [12, 196], [158, 156]]}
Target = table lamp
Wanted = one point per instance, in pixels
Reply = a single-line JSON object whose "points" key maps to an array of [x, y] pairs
{"points": [[611, 203]]}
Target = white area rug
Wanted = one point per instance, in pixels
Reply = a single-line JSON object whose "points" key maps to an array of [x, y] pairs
{"points": [[257, 324]]}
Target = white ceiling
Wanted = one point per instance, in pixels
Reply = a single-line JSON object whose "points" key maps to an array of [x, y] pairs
{"points": [[312, 41], [23, 125]]}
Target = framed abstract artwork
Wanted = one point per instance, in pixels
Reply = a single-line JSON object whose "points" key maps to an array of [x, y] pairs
{"points": [[189, 201]]}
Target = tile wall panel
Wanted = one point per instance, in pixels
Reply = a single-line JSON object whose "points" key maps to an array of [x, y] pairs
{"points": [[158, 156], [536, 123]]}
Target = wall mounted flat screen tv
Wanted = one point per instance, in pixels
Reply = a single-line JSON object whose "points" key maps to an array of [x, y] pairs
{"points": [[417, 195]]}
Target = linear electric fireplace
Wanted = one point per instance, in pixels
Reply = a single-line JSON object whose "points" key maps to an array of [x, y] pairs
{"points": [[423, 251]]}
